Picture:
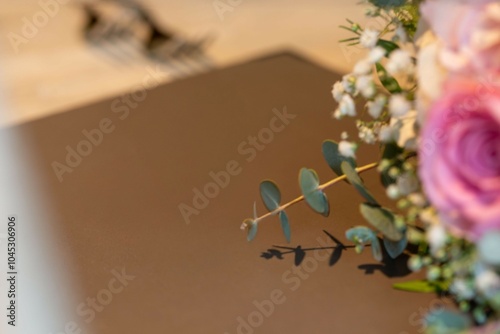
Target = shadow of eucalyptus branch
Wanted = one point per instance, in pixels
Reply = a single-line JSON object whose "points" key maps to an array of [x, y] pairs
{"points": [[300, 253]]}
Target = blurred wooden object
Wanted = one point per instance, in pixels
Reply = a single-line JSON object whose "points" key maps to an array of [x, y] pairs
{"points": [[53, 68]]}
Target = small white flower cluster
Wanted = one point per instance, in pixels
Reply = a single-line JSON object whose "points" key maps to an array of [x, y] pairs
{"points": [[400, 62], [361, 81], [347, 148], [368, 132], [399, 105]]}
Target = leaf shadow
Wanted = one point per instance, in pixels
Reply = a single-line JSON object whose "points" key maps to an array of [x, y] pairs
{"points": [[300, 253], [390, 267]]}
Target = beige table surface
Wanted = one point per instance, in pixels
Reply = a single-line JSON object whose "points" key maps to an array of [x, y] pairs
{"points": [[56, 70]]}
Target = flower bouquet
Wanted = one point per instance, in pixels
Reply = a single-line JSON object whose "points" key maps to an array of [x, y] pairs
{"points": [[430, 90]]}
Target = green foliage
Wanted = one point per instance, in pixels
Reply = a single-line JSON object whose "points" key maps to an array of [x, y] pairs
{"points": [[333, 157], [447, 322], [317, 200], [251, 227], [388, 46], [388, 3], [355, 180], [382, 219], [362, 235], [376, 249], [421, 286], [409, 16], [395, 248], [285, 225], [270, 194], [387, 80], [391, 152]]}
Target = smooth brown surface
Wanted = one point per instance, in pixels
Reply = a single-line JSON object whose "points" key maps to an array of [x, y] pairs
{"points": [[119, 208]]}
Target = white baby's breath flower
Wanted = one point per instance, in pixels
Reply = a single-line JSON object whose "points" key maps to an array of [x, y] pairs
{"points": [[338, 91], [376, 54], [436, 236], [347, 149], [399, 105], [336, 114], [387, 134], [462, 289], [366, 86], [488, 282], [376, 107], [393, 192], [349, 83], [344, 135], [362, 67], [369, 38], [347, 107], [367, 135], [399, 62]]}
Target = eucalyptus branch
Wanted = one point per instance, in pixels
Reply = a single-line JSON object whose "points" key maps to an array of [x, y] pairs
{"points": [[320, 187]]}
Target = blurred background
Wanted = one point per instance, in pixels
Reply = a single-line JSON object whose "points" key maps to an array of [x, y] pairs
{"points": [[59, 54]]}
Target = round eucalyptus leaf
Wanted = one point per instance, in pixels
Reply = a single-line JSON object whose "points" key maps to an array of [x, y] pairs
{"points": [[355, 180], [395, 248], [333, 157], [285, 225], [376, 249], [382, 220], [360, 234], [447, 322], [308, 180], [318, 201], [251, 226], [270, 194]]}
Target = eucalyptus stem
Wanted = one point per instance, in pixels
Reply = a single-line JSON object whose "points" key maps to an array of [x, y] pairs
{"points": [[320, 187]]}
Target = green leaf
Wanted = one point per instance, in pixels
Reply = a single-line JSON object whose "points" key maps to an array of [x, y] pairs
{"points": [[285, 225], [382, 219], [317, 200], [309, 180], [395, 248], [388, 3], [388, 46], [270, 194], [422, 286], [362, 235], [387, 81], [251, 227], [447, 322], [355, 180], [376, 249], [391, 151], [334, 158]]}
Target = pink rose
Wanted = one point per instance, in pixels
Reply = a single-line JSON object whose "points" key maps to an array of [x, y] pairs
{"points": [[460, 157], [469, 31]]}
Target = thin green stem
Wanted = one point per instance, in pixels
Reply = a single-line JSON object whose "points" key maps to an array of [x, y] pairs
{"points": [[320, 187]]}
